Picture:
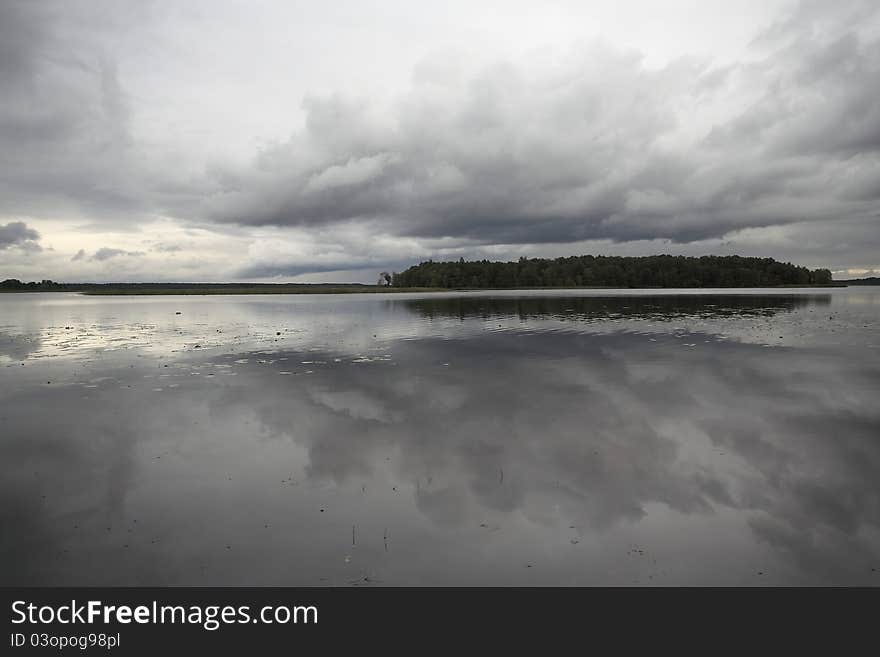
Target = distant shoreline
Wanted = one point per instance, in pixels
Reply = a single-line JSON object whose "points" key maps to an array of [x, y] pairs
{"points": [[128, 289], [208, 289], [659, 272]]}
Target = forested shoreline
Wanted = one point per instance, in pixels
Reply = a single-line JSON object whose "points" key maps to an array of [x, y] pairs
{"points": [[661, 271], [611, 271]]}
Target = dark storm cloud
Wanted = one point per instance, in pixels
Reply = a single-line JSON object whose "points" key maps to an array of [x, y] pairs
{"points": [[17, 233], [597, 147]]}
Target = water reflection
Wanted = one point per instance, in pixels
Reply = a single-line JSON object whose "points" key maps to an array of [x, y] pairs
{"points": [[604, 307], [18, 347], [504, 457], [72, 327]]}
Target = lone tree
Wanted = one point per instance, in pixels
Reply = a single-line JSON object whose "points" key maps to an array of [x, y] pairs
{"points": [[384, 278]]}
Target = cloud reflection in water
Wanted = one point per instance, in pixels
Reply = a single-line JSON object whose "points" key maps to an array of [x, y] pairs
{"points": [[532, 456]]}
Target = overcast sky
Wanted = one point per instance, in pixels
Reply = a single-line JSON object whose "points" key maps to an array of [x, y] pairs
{"points": [[214, 140]]}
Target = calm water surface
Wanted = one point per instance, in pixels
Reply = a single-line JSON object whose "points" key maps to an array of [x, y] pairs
{"points": [[553, 438]]}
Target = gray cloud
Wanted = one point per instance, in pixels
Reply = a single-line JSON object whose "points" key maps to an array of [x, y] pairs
{"points": [[289, 269], [167, 248], [66, 121], [63, 120], [598, 147], [79, 255], [595, 144], [106, 253], [17, 233]]}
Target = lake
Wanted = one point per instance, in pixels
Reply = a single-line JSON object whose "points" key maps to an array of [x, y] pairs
{"points": [[579, 437]]}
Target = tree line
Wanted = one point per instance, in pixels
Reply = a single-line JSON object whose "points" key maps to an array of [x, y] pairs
{"points": [[611, 271], [15, 285]]}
